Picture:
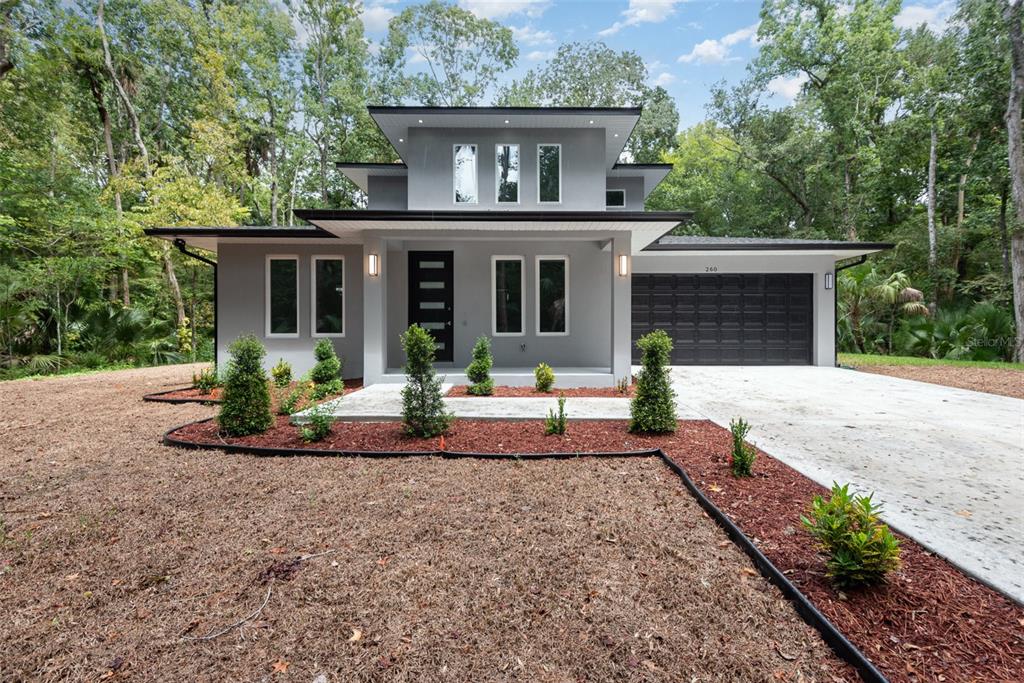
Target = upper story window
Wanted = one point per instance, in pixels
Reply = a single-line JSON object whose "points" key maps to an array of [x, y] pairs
{"points": [[549, 174], [464, 174], [506, 163], [614, 199]]}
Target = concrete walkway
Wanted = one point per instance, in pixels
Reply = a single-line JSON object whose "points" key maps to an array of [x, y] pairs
{"points": [[948, 464]]}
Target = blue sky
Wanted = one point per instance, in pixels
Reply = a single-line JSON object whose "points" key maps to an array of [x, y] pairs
{"points": [[687, 45]]}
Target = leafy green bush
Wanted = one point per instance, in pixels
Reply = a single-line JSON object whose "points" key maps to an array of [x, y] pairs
{"points": [[289, 404], [743, 454], [423, 410], [984, 332], [282, 374], [326, 374], [319, 426], [246, 405], [555, 424], [653, 409], [479, 371], [206, 381], [861, 550], [544, 377]]}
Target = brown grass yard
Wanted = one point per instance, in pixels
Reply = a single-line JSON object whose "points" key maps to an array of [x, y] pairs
{"points": [[115, 547]]}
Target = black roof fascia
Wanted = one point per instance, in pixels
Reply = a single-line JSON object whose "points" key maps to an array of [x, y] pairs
{"points": [[493, 216], [770, 246], [241, 231]]}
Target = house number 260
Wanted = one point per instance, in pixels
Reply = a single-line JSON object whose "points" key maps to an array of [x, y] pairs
{"points": [[710, 269]]}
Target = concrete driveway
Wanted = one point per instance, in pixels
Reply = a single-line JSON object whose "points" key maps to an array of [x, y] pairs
{"points": [[948, 464]]}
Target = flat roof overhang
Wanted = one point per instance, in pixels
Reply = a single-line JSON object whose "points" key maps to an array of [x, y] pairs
{"points": [[209, 237], [652, 174], [359, 173], [781, 247]]}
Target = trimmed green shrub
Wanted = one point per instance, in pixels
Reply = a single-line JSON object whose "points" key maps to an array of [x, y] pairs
{"points": [[479, 371], [290, 403], [246, 405], [555, 424], [206, 381], [860, 549], [281, 373], [423, 410], [326, 374], [544, 377], [743, 454], [319, 426], [653, 408]]}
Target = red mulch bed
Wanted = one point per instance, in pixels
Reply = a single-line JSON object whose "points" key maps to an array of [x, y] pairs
{"points": [[193, 394], [531, 392], [930, 622]]}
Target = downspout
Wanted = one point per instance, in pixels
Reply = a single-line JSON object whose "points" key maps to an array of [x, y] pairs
{"points": [[180, 244], [835, 301]]}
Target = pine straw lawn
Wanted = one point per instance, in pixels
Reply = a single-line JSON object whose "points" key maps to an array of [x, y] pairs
{"points": [[1005, 382], [115, 548]]}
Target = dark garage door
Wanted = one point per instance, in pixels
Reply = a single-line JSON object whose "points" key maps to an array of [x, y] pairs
{"points": [[743, 319]]}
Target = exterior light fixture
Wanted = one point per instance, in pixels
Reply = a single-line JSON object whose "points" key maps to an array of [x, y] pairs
{"points": [[419, 120], [401, 140], [591, 121], [829, 280], [623, 265], [616, 135], [506, 120], [373, 265]]}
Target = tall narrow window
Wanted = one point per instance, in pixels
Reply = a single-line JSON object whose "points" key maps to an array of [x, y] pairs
{"points": [[549, 174], [507, 295], [465, 174], [552, 295], [282, 296], [328, 296], [506, 161]]}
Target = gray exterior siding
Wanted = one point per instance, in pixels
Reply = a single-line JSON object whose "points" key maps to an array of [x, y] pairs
{"points": [[241, 303], [634, 188], [387, 192]]}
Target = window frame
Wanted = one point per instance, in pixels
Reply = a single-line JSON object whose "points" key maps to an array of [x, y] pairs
{"points": [[536, 280], [559, 146], [497, 174], [312, 296], [615, 206], [476, 173], [522, 295], [266, 297]]}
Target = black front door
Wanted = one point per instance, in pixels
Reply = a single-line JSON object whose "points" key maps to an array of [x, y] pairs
{"points": [[430, 297]]}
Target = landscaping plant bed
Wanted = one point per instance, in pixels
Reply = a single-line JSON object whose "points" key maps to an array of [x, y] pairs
{"points": [[462, 390], [930, 622], [193, 395]]}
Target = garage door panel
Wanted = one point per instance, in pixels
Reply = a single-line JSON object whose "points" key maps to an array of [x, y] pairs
{"points": [[728, 319]]}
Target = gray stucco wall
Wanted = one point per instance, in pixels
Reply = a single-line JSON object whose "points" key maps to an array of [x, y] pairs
{"points": [[430, 167], [241, 303], [589, 341], [387, 192], [634, 188]]}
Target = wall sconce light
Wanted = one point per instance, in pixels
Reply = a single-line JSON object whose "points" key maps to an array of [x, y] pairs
{"points": [[373, 265], [623, 265], [829, 280]]}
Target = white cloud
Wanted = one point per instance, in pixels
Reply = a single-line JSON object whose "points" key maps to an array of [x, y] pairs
{"points": [[664, 79], [713, 51], [934, 17], [417, 54], [528, 35], [499, 9], [787, 88], [540, 55], [642, 12], [376, 16]]}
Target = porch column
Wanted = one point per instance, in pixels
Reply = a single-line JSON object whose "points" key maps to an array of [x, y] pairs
{"points": [[621, 318], [374, 311]]}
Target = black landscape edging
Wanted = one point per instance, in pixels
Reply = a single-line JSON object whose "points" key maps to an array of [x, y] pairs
{"points": [[837, 642], [157, 397]]}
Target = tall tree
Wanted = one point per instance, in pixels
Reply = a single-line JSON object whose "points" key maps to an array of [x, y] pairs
{"points": [[1013, 13]]}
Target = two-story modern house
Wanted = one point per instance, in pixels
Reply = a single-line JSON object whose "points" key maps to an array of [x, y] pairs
{"points": [[520, 224]]}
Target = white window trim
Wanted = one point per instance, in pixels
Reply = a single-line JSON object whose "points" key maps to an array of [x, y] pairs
{"points": [[497, 173], [312, 296], [613, 206], [522, 294], [476, 172], [536, 281], [559, 146], [266, 297]]}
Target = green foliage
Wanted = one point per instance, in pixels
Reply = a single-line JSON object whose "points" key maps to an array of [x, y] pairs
{"points": [[479, 370], [544, 377], [556, 423], [743, 454], [289, 403], [860, 549], [319, 425], [984, 332], [652, 408], [423, 410], [184, 337], [326, 374], [245, 407], [207, 380], [281, 373]]}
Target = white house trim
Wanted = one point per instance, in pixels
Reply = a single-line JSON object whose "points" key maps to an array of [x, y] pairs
{"points": [[536, 296], [522, 296], [266, 297], [312, 295]]}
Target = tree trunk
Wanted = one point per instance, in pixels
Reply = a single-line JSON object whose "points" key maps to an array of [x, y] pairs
{"points": [[126, 296], [122, 93], [851, 228], [933, 241], [1004, 234], [172, 280], [1013, 14]]}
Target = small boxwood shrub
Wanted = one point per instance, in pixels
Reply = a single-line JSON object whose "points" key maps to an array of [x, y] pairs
{"points": [[544, 378], [743, 454], [245, 408], [653, 407], [281, 374], [423, 409], [479, 371], [319, 426], [206, 381], [326, 374], [555, 424], [860, 549]]}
